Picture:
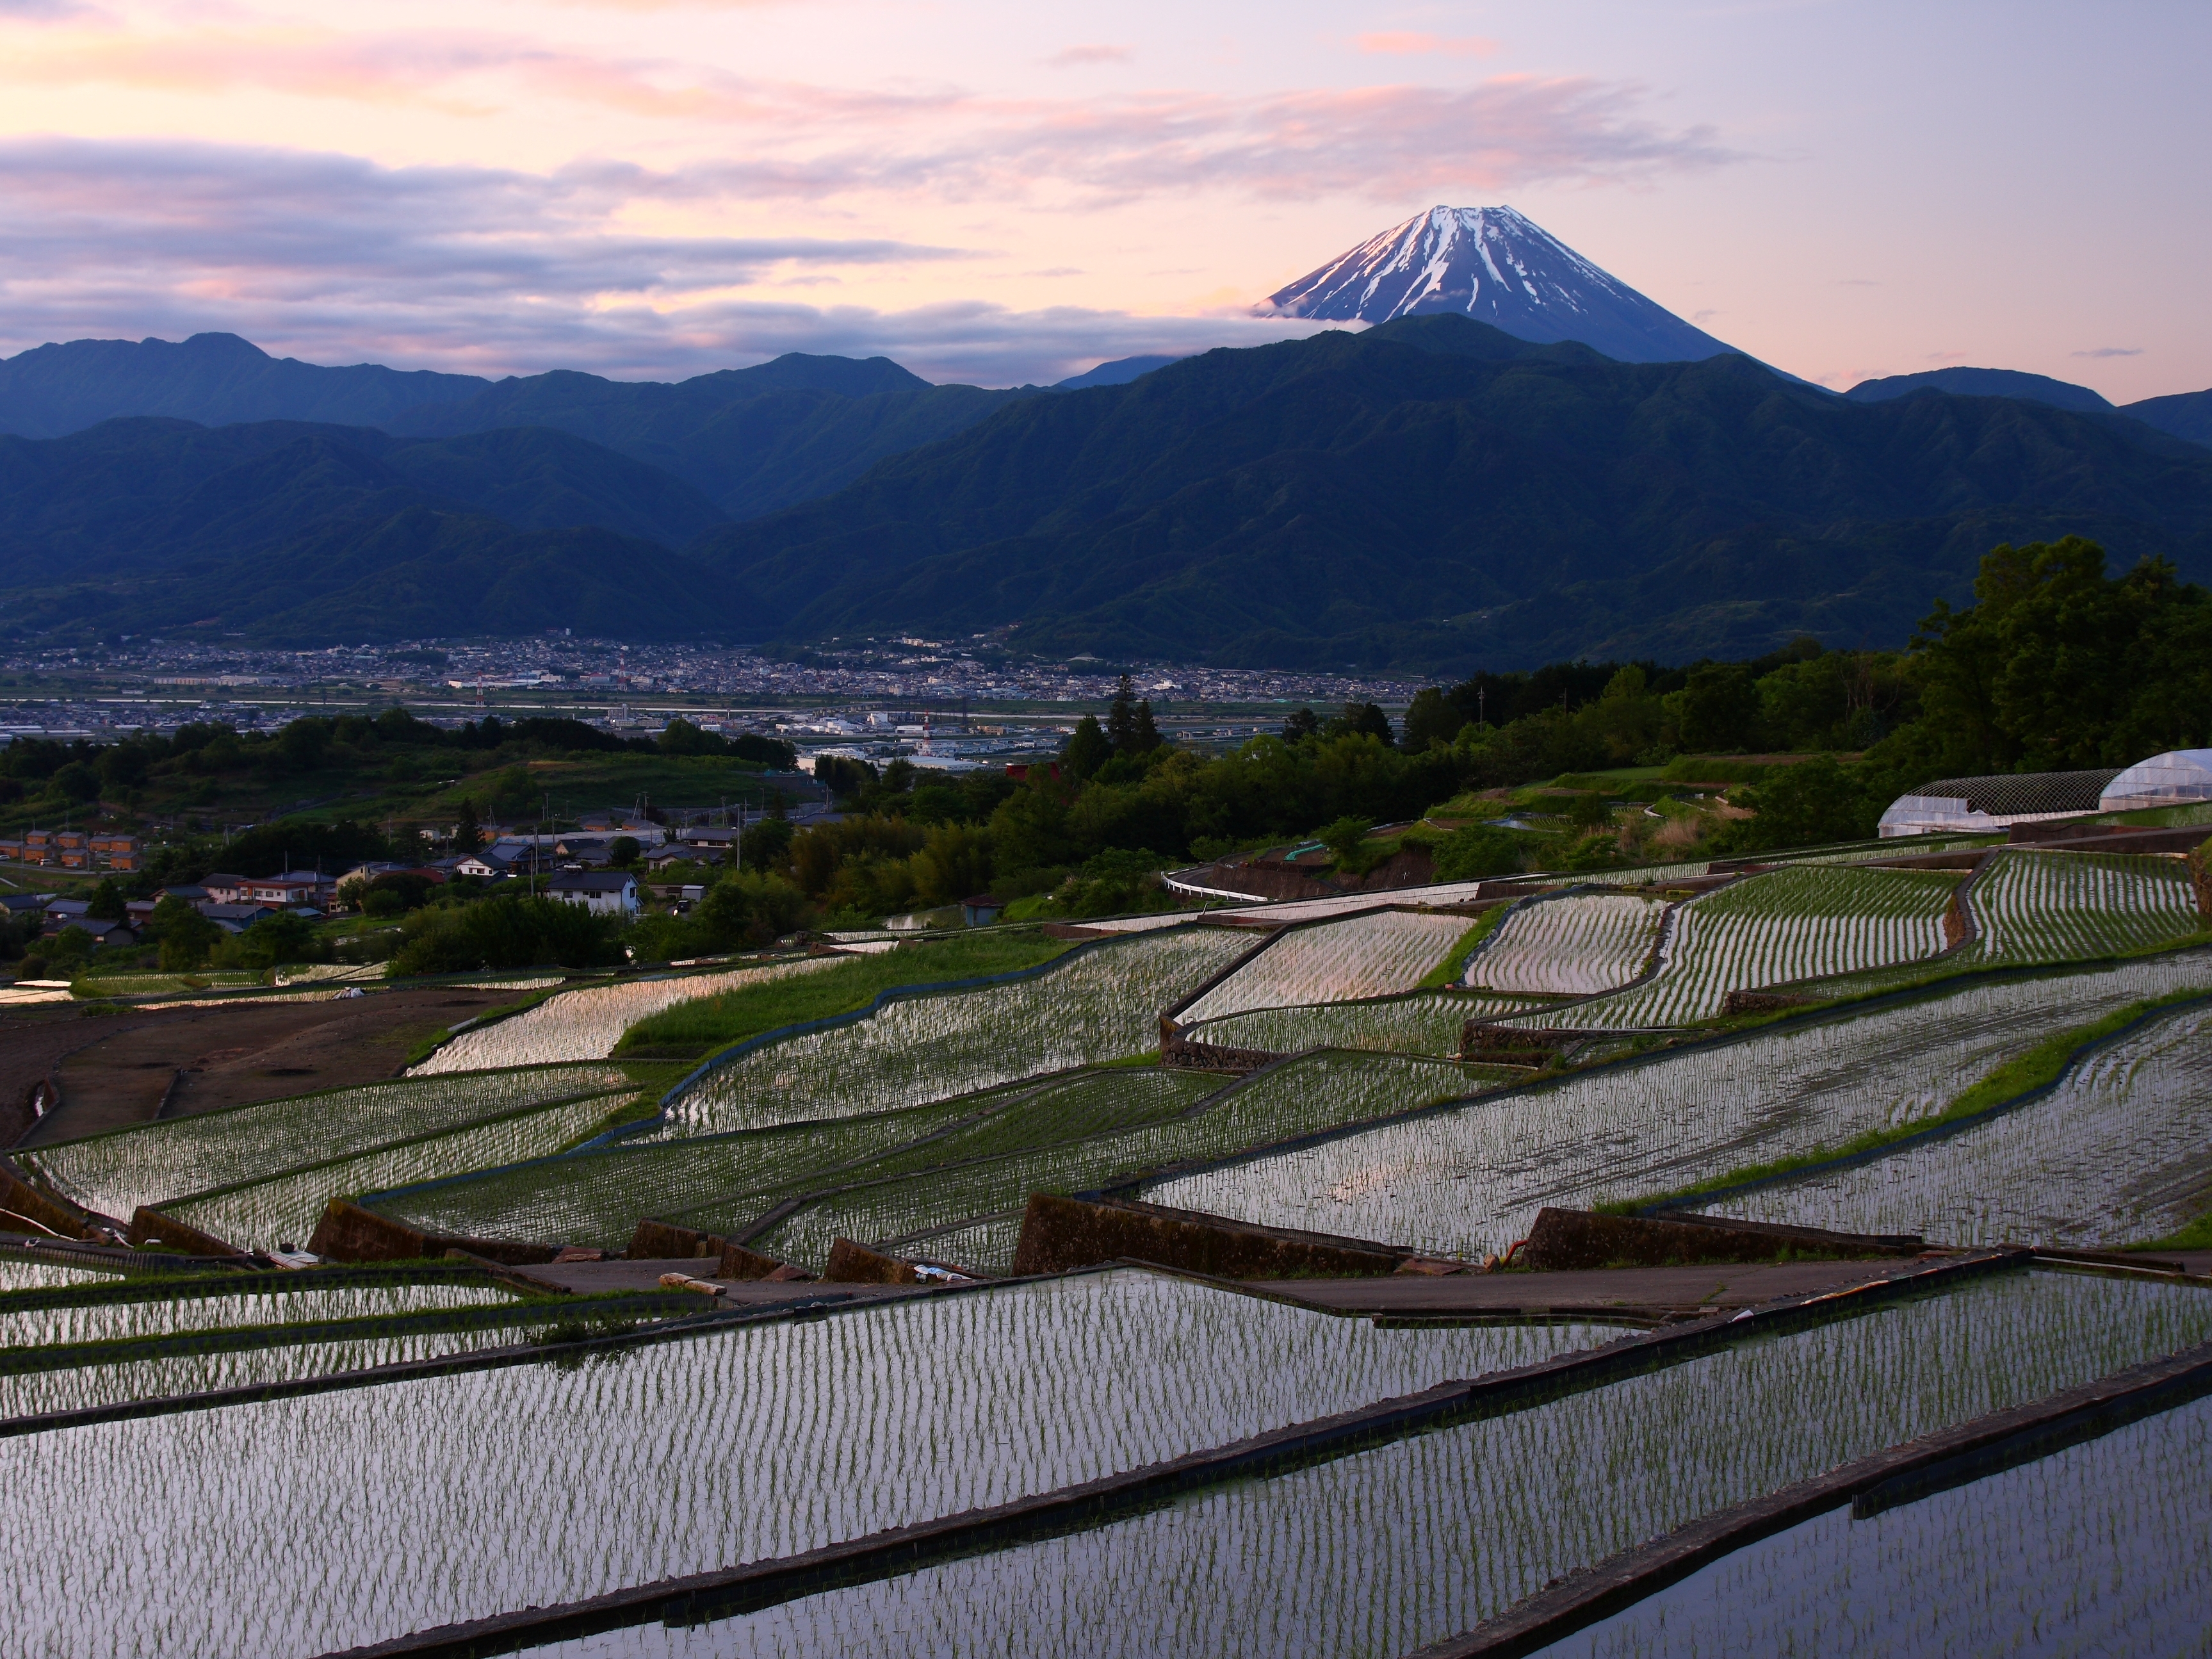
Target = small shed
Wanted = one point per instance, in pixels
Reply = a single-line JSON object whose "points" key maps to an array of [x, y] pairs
{"points": [[980, 911]]}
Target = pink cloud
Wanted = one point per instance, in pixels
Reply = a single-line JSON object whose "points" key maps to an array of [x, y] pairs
{"points": [[811, 142], [1407, 44], [1077, 56], [335, 259]]}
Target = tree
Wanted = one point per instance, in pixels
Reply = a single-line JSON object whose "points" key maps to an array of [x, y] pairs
{"points": [[622, 851], [185, 935], [1147, 736], [1720, 710], [468, 834], [1121, 718], [1088, 749], [2057, 666], [1344, 836], [1362, 719], [842, 776], [1815, 800], [1475, 853], [107, 903], [1431, 720], [1300, 723], [1588, 810]]}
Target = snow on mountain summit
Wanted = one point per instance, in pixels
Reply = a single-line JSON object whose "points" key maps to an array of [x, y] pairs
{"points": [[1497, 267]]}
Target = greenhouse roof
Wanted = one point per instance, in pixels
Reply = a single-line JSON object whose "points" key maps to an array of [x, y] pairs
{"points": [[1991, 803], [2178, 775]]}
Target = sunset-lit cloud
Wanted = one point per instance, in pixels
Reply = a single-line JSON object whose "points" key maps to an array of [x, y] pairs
{"points": [[1402, 44], [651, 185], [1078, 57]]}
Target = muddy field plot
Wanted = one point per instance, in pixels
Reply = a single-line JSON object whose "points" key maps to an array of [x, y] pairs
{"points": [[118, 1070]]}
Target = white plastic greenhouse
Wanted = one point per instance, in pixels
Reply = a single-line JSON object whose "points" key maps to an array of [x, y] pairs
{"points": [[2178, 777]]}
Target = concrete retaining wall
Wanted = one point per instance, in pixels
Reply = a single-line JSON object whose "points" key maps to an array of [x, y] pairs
{"points": [[1567, 1241], [152, 1226], [856, 1264], [347, 1232], [1060, 1235]]}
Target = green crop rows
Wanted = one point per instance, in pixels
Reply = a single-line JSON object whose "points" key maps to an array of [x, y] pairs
{"points": [[1315, 1091], [284, 1208], [1472, 1179], [116, 1172], [1425, 1023], [1100, 1005], [1787, 924], [1369, 955], [2121, 1149]]}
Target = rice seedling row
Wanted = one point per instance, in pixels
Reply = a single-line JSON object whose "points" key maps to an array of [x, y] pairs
{"points": [[1388, 1549], [284, 1208], [1369, 955], [2120, 1150], [585, 1025], [2046, 907], [1472, 1178], [88, 1387], [115, 1172], [2105, 1547], [1311, 1092], [1100, 1004], [1424, 1023], [1646, 875], [595, 1197], [1783, 925], [547, 1483], [18, 1275], [107, 1321], [599, 1197], [1576, 945], [1382, 1551]]}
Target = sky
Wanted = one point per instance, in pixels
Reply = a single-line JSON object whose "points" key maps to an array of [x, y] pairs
{"points": [[1000, 193]]}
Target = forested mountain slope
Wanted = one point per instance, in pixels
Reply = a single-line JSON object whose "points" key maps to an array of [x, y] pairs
{"points": [[1433, 492]]}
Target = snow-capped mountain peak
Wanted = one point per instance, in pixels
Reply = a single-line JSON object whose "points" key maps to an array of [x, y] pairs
{"points": [[1498, 267]]}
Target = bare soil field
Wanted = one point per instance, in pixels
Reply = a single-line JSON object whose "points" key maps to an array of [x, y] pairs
{"points": [[117, 1069]]}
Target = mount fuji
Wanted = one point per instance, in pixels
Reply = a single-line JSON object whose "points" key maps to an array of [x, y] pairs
{"points": [[1497, 267]]}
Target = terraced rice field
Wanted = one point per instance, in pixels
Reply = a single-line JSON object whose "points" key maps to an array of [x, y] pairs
{"points": [[116, 1172], [282, 1209], [1787, 924], [1575, 946], [853, 1423], [86, 1388], [1102, 1003], [2120, 1151], [729, 1182], [2048, 907], [1384, 1550], [1425, 1023], [17, 1274], [2097, 1548], [585, 1025], [106, 1320], [1471, 1179], [1370, 956], [1312, 1092], [595, 1198]]}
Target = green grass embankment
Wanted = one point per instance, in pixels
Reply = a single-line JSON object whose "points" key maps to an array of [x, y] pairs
{"points": [[2023, 1073]]}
